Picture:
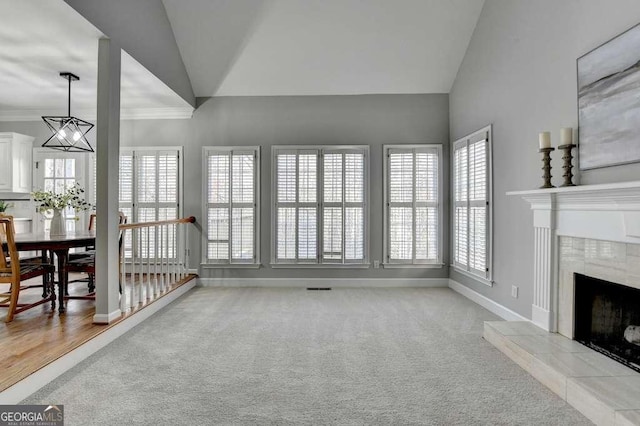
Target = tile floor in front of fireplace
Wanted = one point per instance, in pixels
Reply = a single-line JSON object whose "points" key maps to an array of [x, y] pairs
{"points": [[605, 391]]}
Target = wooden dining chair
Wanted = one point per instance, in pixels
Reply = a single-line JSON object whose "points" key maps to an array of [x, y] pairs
{"points": [[13, 273], [87, 264]]}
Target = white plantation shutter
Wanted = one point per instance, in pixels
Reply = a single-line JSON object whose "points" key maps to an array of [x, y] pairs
{"points": [[472, 203], [231, 205], [149, 190], [413, 204], [319, 205]]}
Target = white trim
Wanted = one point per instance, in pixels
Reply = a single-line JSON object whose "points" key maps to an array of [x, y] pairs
{"points": [[207, 151], [472, 276], [46, 374], [230, 265], [385, 203], [107, 318], [320, 151], [164, 113], [494, 307], [320, 265], [412, 265], [323, 282], [488, 275]]}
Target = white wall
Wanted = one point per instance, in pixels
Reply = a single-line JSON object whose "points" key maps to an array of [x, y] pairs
{"points": [[519, 73]]}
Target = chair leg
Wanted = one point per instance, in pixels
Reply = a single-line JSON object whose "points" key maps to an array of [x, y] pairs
{"points": [[92, 283], [13, 302], [52, 290], [45, 277]]}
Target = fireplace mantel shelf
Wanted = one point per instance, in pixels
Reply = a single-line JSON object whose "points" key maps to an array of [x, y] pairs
{"points": [[621, 197], [604, 187]]}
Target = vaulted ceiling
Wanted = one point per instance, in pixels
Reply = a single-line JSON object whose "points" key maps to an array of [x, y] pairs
{"points": [[322, 47], [39, 39]]}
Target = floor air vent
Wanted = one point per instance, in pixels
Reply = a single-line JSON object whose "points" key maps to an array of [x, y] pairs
{"points": [[318, 288]]}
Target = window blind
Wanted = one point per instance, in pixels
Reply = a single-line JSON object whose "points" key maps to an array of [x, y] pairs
{"points": [[413, 205], [320, 200], [149, 190], [471, 203], [231, 205]]}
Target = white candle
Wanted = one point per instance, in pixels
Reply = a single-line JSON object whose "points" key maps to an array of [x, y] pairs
{"points": [[545, 140], [566, 136]]}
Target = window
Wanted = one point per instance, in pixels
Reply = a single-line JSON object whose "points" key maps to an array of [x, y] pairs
{"points": [[150, 190], [231, 184], [56, 171], [320, 205], [413, 205], [472, 204]]}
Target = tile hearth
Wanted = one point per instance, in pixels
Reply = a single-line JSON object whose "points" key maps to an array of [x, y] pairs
{"points": [[603, 390]]}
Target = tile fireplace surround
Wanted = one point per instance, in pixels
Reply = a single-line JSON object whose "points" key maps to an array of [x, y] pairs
{"points": [[592, 230], [606, 260]]}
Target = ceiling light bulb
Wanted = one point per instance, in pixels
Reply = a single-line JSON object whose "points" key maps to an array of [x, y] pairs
{"points": [[76, 136], [61, 134]]}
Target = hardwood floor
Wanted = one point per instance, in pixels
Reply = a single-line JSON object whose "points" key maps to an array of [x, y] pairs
{"points": [[39, 336]]}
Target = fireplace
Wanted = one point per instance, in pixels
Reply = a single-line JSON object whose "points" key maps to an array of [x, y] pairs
{"points": [[605, 314]]}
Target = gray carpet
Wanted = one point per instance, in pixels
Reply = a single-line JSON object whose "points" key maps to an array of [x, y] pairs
{"points": [[290, 356]]}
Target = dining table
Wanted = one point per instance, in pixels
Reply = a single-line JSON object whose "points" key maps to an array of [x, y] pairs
{"points": [[60, 246]]}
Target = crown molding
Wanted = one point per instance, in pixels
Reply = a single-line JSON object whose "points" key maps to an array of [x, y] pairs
{"points": [[161, 113]]}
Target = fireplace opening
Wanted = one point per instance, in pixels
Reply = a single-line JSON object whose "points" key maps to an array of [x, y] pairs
{"points": [[607, 319]]}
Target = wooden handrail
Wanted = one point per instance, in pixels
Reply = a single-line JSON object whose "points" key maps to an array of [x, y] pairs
{"points": [[190, 219]]}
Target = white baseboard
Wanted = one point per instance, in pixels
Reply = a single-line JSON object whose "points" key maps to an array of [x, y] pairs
{"points": [[35, 381], [323, 282], [107, 318], [485, 302]]}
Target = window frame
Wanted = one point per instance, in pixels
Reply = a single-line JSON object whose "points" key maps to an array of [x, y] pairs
{"points": [[230, 263], [321, 150], [135, 205], [486, 277], [426, 264], [83, 177]]}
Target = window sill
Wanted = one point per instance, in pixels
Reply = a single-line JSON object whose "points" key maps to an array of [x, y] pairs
{"points": [[413, 265], [320, 266], [473, 276], [230, 265]]}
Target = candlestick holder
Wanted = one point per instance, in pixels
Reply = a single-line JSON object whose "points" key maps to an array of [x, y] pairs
{"points": [[567, 157], [546, 166]]}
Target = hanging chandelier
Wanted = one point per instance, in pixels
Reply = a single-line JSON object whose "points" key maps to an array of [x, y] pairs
{"points": [[69, 133]]}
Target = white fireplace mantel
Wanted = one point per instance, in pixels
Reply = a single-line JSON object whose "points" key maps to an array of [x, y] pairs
{"points": [[608, 212]]}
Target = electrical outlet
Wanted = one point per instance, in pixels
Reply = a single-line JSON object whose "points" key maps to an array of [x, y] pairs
{"points": [[514, 291], [376, 264]]}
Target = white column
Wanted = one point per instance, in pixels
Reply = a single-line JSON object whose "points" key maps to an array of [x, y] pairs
{"points": [[108, 156], [544, 278]]}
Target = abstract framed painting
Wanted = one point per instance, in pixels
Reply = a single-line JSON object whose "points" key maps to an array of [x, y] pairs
{"points": [[609, 102]]}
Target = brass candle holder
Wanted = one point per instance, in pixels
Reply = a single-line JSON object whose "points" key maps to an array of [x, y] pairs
{"points": [[567, 157], [546, 167]]}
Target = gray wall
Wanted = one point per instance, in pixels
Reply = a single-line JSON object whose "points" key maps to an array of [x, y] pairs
{"points": [[371, 120], [519, 73]]}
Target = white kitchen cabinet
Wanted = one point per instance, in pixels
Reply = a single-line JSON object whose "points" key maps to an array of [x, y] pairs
{"points": [[16, 153]]}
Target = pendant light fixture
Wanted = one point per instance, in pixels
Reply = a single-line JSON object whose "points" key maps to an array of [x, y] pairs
{"points": [[68, 132]]}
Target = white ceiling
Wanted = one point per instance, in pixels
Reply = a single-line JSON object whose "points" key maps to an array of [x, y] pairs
{"points": [[40, 38], [322, 47]]}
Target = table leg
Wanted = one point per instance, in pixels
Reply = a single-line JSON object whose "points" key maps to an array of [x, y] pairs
{"points": [[63, 257]]}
